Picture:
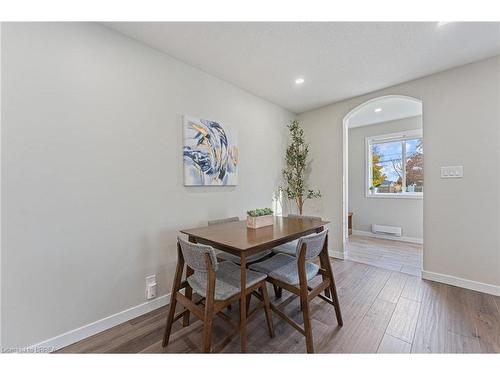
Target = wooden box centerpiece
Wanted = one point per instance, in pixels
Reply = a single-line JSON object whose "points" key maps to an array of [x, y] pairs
{"points": [[260, 217]]}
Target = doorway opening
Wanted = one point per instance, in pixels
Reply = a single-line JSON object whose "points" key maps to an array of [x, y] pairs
{"points": [[383, 185]]}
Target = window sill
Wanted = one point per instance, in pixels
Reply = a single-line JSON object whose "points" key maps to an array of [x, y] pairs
{"points": [[396, 196]]}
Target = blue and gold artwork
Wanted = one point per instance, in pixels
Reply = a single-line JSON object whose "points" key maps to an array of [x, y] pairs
{"points": [[210, 153]]}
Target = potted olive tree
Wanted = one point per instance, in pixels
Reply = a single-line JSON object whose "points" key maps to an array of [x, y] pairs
{"points": [[295, 171]]}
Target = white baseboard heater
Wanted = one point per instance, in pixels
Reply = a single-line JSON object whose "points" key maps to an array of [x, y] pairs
{"points": [[386, 229]]}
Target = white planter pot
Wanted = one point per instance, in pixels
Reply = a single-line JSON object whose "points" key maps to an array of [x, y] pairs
{"points": [[259, 221]]}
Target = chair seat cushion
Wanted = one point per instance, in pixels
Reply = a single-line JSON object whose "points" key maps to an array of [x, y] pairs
{"points": [[227, 280], [236, 259], [289, 248], [284, 268]]}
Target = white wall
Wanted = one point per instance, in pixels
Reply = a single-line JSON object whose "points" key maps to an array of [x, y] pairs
{"points": [[461, 116], [404, 213], [92, 187]]}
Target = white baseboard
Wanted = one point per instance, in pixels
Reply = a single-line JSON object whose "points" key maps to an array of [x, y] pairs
{"points": [[387, 237], [336, 254], [100, 325], [462, 283]]}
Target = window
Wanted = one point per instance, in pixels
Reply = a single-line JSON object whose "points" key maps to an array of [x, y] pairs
{"points": [[395, 165]]}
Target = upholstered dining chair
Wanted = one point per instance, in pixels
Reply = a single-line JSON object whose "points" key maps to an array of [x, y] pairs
{"points": [[293, 273], [218, 284], [233, 258], [222, 255], [290, 247]]}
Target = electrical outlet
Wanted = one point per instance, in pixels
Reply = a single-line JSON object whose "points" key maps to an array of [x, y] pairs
{"points": [[151, 287], [151, 291]]}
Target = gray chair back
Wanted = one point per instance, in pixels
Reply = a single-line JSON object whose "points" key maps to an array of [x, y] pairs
{"points": [[194, 255], [314, 244], [295, 216], [222, 221]]}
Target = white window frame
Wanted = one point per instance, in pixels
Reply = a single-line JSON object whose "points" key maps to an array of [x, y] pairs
{"points": [[392, 137]]}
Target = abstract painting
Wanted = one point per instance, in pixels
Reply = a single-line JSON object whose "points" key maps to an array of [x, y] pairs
{"points": [[210, 153]]}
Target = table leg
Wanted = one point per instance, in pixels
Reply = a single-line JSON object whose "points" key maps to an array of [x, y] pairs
{"points": [[243, 304], [326, 265]]}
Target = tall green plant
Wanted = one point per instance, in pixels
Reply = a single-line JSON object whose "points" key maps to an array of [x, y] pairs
{"points": [[295, 170]]}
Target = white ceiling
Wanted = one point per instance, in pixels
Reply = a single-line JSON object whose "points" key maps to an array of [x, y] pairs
{"points": [[391, 108], [338, 60]]}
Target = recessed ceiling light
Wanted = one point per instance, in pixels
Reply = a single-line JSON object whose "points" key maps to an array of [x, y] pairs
{"points": [[378, 110], [299, 81]]}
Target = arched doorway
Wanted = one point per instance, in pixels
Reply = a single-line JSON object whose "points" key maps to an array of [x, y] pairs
{"points": [[379, 184]]}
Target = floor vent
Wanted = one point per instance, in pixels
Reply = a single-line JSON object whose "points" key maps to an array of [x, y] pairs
{"points": [[386, 229]]}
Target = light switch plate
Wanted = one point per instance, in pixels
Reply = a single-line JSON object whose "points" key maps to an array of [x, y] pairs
{"points": [[452, 171]]}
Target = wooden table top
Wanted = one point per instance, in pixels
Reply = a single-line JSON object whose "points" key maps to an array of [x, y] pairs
{"points": [[235, 237]]}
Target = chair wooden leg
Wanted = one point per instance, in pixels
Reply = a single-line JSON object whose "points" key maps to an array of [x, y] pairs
{"points": [[304, 301], [170, 320], [267, 309], [173, 303], [307, 322], [335, 299], [243, 306], [325, 264], [207, 326], [208, 316]]}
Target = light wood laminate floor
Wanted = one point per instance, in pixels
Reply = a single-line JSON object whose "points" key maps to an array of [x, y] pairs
{"points": [[399, 256], [384, 311]]}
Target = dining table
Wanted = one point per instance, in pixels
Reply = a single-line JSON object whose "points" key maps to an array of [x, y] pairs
{"points": [[237, 239]]}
